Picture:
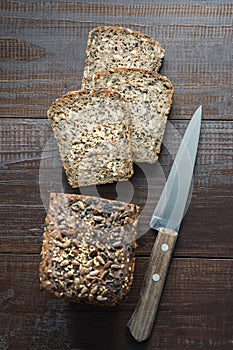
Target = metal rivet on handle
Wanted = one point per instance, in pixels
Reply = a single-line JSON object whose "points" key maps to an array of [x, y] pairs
{"points": [[164, 247], [156, 277]]}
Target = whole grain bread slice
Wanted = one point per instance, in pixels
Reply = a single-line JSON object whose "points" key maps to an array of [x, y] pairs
{"points": [[150, 97], [117, 47], [92, 131]]}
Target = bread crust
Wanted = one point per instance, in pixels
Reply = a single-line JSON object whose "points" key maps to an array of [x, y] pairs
{"points": [[134, 32], [88, 249]]}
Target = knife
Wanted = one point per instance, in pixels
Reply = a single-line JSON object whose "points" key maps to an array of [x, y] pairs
{"points": [[166, 219]]}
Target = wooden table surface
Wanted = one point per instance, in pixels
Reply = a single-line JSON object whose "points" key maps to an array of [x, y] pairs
{"points": [[42, 53]]}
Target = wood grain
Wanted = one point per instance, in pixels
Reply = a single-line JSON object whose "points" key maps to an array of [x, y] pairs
{"points": [[142, 320], [12, 49], [195, 310], [199, 64], [42, 56], [23, 211], [128, 11], [23, 141], [200, 236]]}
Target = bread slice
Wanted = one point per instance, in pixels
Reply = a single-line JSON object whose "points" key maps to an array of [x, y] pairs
{"points": [[150, 97], [92, 131], [117, 47], [88, 249]]}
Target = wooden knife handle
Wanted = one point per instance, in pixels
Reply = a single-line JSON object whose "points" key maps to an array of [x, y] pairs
{"points": [[142, 320]]}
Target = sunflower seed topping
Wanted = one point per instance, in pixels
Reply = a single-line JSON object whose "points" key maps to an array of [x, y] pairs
{"points": [[87, 263]]}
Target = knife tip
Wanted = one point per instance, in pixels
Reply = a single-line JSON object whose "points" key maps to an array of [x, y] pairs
{"points": [[199, 110], [197, 115]]}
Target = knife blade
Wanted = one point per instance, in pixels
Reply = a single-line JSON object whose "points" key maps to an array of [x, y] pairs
{"points": [[166, 219]]}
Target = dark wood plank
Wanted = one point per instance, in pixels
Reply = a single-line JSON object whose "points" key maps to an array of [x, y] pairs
{"points": [[42, 56], [21, 184], [205, 232], [211, 12], [197, 38], [195, 310], [23, 142]]}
